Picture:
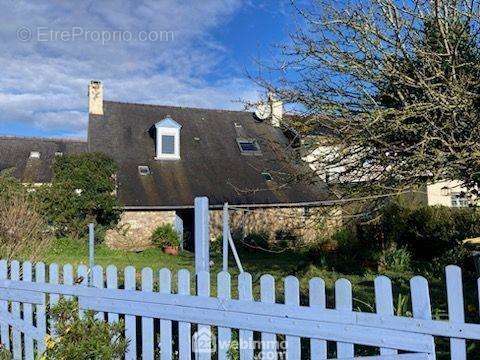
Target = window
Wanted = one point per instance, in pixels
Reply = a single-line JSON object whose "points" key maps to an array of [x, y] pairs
{"points": [[168, 144], [249, 147], [144, 170], [34, 155], [58, 153], [168, 139], [459, 200]]}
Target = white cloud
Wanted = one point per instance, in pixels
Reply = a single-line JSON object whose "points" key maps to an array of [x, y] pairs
{"points": [[44, 83]]}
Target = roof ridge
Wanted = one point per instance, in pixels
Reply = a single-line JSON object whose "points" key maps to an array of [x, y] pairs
{"points": [[20, 137], [178, 107]]}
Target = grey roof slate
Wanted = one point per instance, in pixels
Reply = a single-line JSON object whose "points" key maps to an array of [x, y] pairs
{"points": [[15, 155], [211, 163]]}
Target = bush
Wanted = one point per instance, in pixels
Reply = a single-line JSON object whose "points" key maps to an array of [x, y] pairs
{"points": [[396, 260], [256, 241], [82, 191], [23, 230], [5, 354], [165, 235], [428, 232], [83, 338]]}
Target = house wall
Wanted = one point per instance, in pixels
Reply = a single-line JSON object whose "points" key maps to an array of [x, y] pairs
{"points": [[438, 195], [135, 227]]}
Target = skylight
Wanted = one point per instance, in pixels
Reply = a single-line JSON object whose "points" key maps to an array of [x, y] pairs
{"points": [[144, 170], [249, 147], [34, 155], [267, 176]]}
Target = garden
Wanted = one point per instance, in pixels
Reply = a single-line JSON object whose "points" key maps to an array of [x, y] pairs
{"points": [[49, 224]]}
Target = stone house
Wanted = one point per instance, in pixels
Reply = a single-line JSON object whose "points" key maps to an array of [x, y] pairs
{"points": [[169, 155]]}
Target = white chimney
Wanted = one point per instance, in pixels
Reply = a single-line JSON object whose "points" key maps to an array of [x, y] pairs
{"points": [[95, 97], [277, 109]]}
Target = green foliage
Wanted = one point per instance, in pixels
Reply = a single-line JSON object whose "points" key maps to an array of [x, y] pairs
{"points": [[5, 354], [23, 230], [83, 338], [9, 186], [82, 191], [256, 240], [428, 232], [165, 235], [398, 260]]}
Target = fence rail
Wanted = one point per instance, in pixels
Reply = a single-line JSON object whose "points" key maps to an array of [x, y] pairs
{"points": [[264, 328]]}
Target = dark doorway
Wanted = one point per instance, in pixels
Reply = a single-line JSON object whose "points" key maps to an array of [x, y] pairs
{"points": [[188, 218]]}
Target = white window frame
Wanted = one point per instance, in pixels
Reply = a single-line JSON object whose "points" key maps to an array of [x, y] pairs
{"points": [[168, 131]]}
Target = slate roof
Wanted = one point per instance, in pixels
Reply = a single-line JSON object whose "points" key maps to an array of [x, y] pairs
{"points": [[211, 163], [15, 154]]}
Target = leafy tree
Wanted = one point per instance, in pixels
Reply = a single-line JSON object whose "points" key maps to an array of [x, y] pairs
{"points": [[82, 191], [395, 84]]}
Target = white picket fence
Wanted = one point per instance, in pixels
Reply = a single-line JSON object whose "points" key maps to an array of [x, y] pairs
{"points": [[168, 319]]}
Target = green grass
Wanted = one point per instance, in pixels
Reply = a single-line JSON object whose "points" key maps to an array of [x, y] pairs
{"points": [[75, 252]]}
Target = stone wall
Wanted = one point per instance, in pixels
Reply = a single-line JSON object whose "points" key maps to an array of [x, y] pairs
{"points": [[307, 224], [135, 228]]}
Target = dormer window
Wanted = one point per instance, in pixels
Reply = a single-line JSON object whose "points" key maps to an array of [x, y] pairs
{"points": [[34, 155], [168, 139]]}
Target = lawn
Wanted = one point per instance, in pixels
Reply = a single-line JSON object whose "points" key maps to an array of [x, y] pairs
{"points": [[75, 252], [257, 263]]}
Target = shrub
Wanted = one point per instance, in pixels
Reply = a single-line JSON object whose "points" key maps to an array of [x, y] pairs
{"points": [[83, 338], [82, 191], [428, 232], [165, 235], [5, 354], [396, 260], [256, 241], [23, 230]]}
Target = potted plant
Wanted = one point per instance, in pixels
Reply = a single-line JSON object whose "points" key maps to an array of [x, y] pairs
{"points": [[166, 238]]}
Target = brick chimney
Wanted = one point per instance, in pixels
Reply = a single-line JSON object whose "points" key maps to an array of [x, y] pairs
{"points": [[95, 97], [277, 110]]}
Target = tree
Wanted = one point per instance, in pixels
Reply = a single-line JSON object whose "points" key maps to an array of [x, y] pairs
{"points": [[82, 191], [23, 230], [396, 84]]}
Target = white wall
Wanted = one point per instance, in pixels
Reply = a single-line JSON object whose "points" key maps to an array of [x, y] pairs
{"points": [[438, 195]]}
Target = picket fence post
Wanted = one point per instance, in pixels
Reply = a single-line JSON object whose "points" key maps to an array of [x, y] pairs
{"points": [[28, 313], [224, 334], [147, 323], [292, 297], [384, 303], [165, 325], [41, 308], [245, 336], [112, 283], [267, 295], [184, 328], [421, 306], [343, 302], [456, 310], [16, 335], [203, 331], [317, 300], [130, 321]]}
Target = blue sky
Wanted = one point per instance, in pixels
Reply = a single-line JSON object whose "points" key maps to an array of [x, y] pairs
{"points": [[197, 55]]}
